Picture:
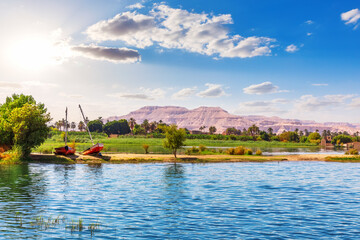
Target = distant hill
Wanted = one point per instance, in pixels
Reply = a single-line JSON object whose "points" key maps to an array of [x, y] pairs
{"points": [[221, 119]]}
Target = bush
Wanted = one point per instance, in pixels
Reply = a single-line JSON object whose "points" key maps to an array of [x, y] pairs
{"points": [[202, 147], [230, 151], [239, 150], [146, 148], [220, 150], [258, 152], [248, 151], [275, 138], [13, 156], [192, 150], [352, 152]]}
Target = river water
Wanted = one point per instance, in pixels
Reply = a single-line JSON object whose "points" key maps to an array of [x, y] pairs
{"points": [[286, 200]]}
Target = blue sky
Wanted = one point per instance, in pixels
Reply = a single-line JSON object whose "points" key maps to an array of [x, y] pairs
{"points": [[292, 59]]}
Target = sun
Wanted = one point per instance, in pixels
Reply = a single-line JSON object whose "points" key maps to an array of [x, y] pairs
{"points": [[36, 52]]}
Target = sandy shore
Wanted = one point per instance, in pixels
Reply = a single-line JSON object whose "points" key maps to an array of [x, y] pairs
{"points": [[153, 158]]}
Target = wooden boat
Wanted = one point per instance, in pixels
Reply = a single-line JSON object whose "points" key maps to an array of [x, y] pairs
{"points": [[66, 150], [96, 148]]}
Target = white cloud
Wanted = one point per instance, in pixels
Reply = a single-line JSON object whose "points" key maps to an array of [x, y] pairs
{"points": [[180, 29], [262, 88], [355, 103], [143, 94], [309, 34], [320, 84], [184, 93], [259, 107], [309, 22], [135, 6], [311, 103], [10, 85], [116, 55], [351, 17], [292, 48], [213, 90]]}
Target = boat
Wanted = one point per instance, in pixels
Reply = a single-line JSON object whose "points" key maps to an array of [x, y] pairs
{"points": [[66, 150], [95, 148]]}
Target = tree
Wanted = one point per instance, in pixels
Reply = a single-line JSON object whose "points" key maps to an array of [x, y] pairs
{"points": [[265, 136], [81, 126], [23, 123], [202, 128], [95, 126], [314, 136], [270, 131], [212, 129], [138, 130], [289, 137], [253, 130], [174, 138], [117, 127], [73, 125], [146, 125], [341, 139], [232, 131], [132, 123]]}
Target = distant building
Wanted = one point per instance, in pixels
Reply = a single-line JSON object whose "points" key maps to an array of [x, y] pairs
{"points": [[326, 142]]}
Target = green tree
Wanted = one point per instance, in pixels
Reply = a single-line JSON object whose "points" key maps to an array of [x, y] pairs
{"points": [[117, 127], [253, 130], [81, 126], [232, 131], [174, 138], [146, 125], [138, 130], [132, 123], [73, 125], [23, 123], [95, 126], [341, 139], [265, 136], [314, 136], [289, 137], [212, 129]]}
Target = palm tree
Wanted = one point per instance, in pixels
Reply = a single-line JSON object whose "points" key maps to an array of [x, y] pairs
{"points": [[270, 131], [146, 125], [153, 126], [202, 128], [81, 126], [253, 130], [212, 129], [132, 123], [73, 126]]}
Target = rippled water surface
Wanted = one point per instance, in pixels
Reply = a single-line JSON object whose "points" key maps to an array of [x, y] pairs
{"points": [[286, 200]]}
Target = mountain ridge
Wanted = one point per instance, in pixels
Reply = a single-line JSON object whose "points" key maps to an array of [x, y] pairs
{"points": [[193, 119]]}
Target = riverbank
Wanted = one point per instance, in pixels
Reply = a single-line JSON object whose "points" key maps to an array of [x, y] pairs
{"points": [[158, 158]]}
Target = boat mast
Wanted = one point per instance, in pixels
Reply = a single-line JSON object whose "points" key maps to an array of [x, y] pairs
{"points": [[86, 124], [66, 127]]}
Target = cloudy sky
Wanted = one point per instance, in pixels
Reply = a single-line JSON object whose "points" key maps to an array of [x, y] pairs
{"points": [[292, 59]]}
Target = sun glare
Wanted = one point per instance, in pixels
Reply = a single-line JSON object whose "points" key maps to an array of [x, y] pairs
{"points": [[36, 53]]}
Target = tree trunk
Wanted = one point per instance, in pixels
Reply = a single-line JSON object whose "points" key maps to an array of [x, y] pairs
{"points": [[174, 152]]}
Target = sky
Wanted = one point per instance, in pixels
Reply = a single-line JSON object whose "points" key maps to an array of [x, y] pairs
{"points": [[291, 59]]}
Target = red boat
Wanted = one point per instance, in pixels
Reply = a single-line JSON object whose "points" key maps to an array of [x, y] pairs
{"points": [[94, 149], [64, 151]]}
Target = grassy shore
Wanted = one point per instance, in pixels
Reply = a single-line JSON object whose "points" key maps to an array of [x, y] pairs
{"points": [[164, 158]]}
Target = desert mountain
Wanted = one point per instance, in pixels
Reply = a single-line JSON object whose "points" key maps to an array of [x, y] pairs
{"points": [[221, 119]]}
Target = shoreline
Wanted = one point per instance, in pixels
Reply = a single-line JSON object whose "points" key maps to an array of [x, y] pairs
{"points": [[167, 158]]}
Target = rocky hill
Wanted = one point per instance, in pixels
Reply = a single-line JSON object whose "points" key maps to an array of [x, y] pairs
{"points": [[221, 119]]}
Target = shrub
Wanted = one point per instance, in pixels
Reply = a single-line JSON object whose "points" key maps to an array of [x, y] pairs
{"points": [[275, 138], [248, 151], [258, 152], [352, 152], [146, 148], [220, 150], [230, 151], [192, 150], [239, 150], [202, 147]]}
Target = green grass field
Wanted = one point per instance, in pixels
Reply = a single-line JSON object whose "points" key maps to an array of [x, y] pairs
{"points": [[134, 144]]}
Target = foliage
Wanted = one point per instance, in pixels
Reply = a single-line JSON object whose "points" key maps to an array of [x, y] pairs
{"points": [[275, 139], [202, 147], [264, 136], [174, 138], [248, 151], [23, 123], [314, 136], [212, 129], [352, 151], [14, 156], [258, 152], [146, 148], [192, 150], [339, 139], [232, 131], [289, 137], [120, 127], [95, 126], [138, 130], [303, 139], [240, 150]]}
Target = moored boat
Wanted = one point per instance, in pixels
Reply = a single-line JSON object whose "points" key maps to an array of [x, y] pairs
{"points": [[94, 149], [66, 150]]}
